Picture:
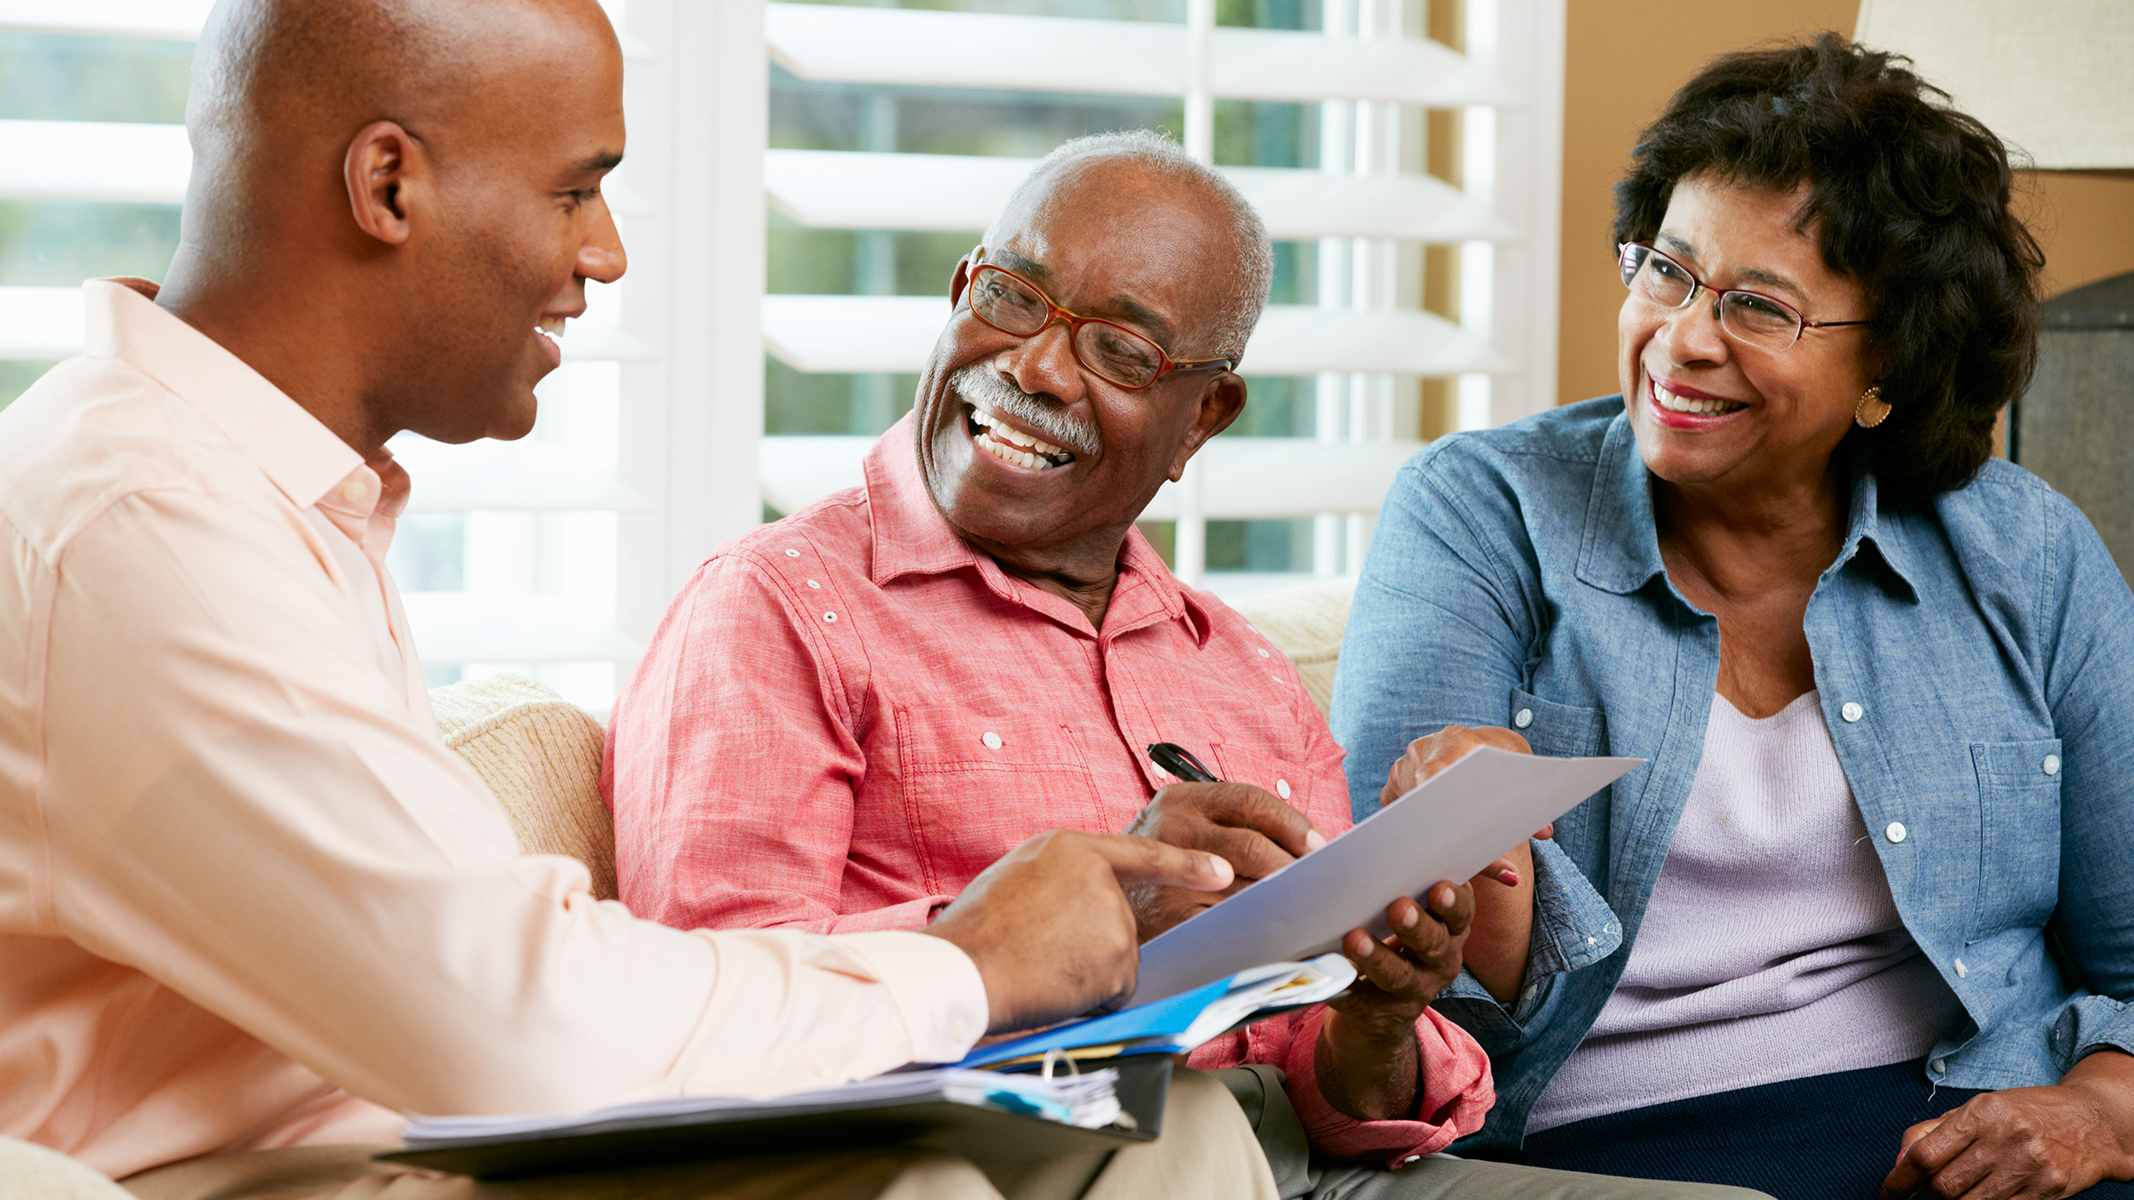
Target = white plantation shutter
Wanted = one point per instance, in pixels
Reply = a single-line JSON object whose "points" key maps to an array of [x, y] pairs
{"points": [[1367, 207], [555, 555]]}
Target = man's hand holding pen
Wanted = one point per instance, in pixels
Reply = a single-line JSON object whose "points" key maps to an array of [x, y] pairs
{"points": [[1257, 833]]}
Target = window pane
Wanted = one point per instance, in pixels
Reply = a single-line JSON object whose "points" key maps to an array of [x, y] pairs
{"points": [[59, 243], [53, 77]]}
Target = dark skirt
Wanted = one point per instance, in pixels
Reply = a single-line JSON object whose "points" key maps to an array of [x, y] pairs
{"points": [[1826, 1137]]}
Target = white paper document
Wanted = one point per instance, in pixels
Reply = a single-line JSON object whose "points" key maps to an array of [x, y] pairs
{"points": [[1450, 827]]}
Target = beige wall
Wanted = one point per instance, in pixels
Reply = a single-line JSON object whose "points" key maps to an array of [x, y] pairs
{"points": [[1626, 57]]}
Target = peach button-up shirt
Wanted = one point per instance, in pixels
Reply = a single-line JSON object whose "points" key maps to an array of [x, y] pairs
{"points": [[247, 898]]}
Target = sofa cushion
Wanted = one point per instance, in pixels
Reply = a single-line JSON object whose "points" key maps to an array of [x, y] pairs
{"points": [[1304, 621], [540, 754], [31, 1172]]}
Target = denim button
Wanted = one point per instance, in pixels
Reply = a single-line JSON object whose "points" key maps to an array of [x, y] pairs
{"points": [[1524, 718], [1895, 831], [1940, 1065], [1851, 712], [2052, 764], [1961, 970]]}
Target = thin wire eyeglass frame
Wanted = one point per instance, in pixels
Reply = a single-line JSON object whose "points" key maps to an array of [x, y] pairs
{"points": [[1631, 258], [1165, 364]]}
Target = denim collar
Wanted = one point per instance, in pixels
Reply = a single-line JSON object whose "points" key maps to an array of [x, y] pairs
{"points": [[1619, 550]]}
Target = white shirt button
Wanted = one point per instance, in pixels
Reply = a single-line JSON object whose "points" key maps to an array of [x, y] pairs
{"points": [[830, 617], [991, 740], [1961, 971], [1281, 788], [792, 554], [959, 1028], [1894, 831], [354, 490], [1523, 718], [1851, 712], [2052, 764], [1264, 654], [1413, 1158], [1940, 1065]]}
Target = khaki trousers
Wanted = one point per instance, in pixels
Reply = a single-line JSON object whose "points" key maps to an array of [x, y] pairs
{"points": [[1207, 1150]]}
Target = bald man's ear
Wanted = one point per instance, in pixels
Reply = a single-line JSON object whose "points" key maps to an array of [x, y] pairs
{"points": [[1219, 404], [385, 170]]}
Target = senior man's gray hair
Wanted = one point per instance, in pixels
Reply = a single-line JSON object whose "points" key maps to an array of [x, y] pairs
{"points": [[1245, 289]]}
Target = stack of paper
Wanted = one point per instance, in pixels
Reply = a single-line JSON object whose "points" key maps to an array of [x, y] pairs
{"points": [[1086, 1100], [1182, 1022]]}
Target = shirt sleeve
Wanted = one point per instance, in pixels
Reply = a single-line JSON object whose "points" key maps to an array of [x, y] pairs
{"points": [[238, 803], [1453, 1086], [731, 767], [2089, 676], [1441, 600]]}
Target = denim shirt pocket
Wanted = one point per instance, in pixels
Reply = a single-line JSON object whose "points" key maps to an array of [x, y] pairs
{"points": [[2019, 835], [1556, 730]]}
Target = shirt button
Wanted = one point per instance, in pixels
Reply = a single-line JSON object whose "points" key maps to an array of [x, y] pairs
{"points": [[1413, 1158], [1264, 654], [813, 584], [1524, 718], [1940, 1066], [991, 740], [1281, 788], [1895, 831], [354, 490], [1851, 712], [2052, 764], [792, 554], [1961, 971], [830, 617]]}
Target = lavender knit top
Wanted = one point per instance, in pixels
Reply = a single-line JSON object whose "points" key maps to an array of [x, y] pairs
{"points": [[1771, 948]]}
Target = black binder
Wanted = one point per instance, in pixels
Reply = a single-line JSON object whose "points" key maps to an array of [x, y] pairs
{"points": [[933, 1122]]}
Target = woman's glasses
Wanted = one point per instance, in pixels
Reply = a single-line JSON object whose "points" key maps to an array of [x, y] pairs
{"points": [[1750, 317], [1111, 351]]}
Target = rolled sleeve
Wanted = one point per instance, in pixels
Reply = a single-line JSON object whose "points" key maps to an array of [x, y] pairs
{"points": [[1573, 928], [1453, 1095]]}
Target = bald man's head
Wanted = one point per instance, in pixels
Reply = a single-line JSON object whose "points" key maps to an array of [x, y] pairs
{"points": [[427, 170]]}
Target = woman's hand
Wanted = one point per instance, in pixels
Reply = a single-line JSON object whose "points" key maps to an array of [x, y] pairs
{"points": [[2037, 1143], [1503, 926], [1367, 1059]]}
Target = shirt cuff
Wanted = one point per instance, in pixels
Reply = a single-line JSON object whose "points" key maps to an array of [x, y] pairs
{"points": [[1453, 1095], [1573, 928], [2088, 1024], [936, 989]]}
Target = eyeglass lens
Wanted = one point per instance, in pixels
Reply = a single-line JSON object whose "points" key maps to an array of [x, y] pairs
{"points": [[1746, 315], [1113, 352]]}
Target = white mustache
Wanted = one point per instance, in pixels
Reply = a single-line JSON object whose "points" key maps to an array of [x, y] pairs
{"points": [[982, 385]]}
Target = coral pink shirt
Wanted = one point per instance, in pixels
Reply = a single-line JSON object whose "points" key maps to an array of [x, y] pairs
{"points": [[847, 715], [247, 898]]}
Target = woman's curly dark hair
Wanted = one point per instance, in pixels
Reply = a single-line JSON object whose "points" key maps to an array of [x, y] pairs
{"points": [[1908, 196]]}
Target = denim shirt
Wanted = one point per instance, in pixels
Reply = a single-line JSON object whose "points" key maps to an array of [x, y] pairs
{"points": [[1974, 656]]}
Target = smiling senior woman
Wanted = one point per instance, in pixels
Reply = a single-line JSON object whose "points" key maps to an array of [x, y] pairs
{"points": [[1876, 882]]}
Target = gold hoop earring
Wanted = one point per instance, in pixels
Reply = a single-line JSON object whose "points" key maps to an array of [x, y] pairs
{"points": [[1872, 409]]}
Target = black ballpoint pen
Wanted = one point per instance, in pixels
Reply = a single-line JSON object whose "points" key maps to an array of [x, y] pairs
{"points": [[1180, 762]]}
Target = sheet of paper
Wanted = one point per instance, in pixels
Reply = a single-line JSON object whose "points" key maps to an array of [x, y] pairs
{"points": [[1452, 826]]}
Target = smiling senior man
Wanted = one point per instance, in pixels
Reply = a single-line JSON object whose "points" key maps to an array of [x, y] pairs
{"points": [[847, 713]]}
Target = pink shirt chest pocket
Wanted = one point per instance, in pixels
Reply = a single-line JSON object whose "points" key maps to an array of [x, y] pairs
{"points": [[973, 785]]}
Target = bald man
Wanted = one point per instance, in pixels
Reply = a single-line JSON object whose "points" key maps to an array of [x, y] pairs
{"points": [[251, 910]]}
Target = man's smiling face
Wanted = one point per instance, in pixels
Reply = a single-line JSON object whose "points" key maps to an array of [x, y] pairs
{"points": [[1031, 456]]}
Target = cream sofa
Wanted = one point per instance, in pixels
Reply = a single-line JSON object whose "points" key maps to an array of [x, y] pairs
{"points": [[540, 755]]}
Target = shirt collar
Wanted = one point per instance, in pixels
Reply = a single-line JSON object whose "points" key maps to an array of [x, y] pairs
{"points": [[1620, 548], [911, 537], [297, 453]]}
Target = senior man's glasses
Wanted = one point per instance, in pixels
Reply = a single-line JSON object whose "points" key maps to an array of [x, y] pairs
{"points": [[1750, 317], [1111, 351]]}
